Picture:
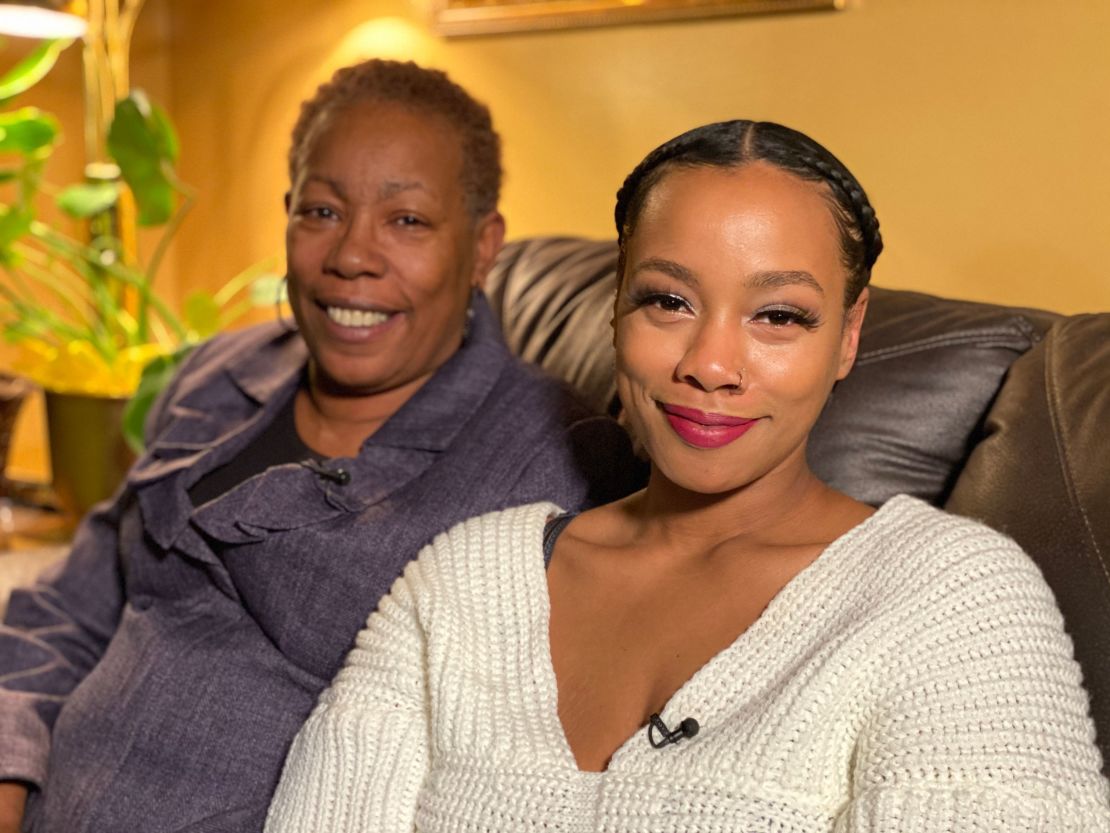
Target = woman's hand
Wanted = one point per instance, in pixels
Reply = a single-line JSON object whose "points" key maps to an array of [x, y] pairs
{"points": [[13, 795]]}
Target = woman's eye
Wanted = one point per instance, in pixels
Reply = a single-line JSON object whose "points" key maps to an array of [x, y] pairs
{"points": [[319, 212], [787, 316], [409, 221], [665, 302]]}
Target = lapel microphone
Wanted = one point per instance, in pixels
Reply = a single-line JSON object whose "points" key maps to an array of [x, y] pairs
{"points": [[686, 729], [338, 475]]}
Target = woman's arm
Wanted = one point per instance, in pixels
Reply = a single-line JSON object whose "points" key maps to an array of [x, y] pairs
{"points": [[13, 795], [360, 760], [984, 725], [55, 631]]}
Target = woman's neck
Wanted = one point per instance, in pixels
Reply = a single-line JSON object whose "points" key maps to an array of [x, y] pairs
{"points": [[787, 506], [336, 423]]}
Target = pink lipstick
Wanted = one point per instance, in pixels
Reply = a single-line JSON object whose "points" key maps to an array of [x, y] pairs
{"points": [[703, 430]]}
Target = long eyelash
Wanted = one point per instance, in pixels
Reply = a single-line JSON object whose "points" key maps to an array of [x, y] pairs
{"points": [[801, 317], [648, 296]]}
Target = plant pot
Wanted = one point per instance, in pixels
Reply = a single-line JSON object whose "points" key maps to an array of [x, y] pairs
{"points": [[88, 454]]}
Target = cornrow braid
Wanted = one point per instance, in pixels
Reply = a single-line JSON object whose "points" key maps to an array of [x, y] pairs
{"points": [[732, 144], [840, 178]]}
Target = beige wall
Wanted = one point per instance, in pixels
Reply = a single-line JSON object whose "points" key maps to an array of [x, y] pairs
{"points": [[979, 128]]}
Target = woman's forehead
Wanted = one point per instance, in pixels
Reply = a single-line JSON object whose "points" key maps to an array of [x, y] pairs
{"points": [[735, 188], [756, 210]]}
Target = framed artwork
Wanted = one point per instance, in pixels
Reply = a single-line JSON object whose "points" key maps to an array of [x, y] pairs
{"points": [[486, 17]]}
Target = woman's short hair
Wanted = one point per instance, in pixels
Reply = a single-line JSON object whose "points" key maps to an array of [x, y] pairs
{"points": [[732, 144], [425, 91]]}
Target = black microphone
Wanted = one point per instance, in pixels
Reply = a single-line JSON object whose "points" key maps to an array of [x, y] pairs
{"points": [[340, 476], [686, 729]]}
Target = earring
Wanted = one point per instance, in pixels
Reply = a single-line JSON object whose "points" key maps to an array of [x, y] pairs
{"points": [[474, 294], [281, 297]]}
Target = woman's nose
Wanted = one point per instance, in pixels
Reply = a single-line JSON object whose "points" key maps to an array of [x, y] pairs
{"points": [[714, 357], [357, 252]]}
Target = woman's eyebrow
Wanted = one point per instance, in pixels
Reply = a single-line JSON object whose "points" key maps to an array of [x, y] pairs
{"points": [[667, 267], [392, 187], [326, 181], [772, 278]]}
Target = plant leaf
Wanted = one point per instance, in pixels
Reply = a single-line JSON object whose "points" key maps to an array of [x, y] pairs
{"points": [[31, 69], [14, 224], [156, 375], [142, 142], [88, 199], [202, 314], [28, 131]]}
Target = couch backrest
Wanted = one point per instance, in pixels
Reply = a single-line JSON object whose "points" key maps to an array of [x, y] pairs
{"points": [[993, 412]]}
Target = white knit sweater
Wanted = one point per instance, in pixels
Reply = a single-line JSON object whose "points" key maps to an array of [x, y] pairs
{"points": [[914, 679]]}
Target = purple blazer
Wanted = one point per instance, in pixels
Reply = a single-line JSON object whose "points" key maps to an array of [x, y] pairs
{"points": [[155, 680]]}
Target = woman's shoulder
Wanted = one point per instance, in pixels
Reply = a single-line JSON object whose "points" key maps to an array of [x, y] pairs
{"points": [[479, 577], [491, 543], [253, 353], [913, 562], [938, 579], [909, 530]]}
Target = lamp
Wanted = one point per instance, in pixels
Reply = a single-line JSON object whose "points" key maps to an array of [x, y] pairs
{"points": [[43, 19]]}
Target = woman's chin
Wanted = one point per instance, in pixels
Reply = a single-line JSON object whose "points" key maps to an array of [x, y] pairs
{"points": [[703, 480]]}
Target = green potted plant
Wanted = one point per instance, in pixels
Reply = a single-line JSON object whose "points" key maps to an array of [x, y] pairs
{"points": [[83, 309]]}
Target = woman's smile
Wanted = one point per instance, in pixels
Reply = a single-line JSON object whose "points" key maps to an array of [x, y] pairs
{"points": [[357, 318], [705, 430]]}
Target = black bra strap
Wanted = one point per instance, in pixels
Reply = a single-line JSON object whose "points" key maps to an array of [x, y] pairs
{"points": [[551, 532]]}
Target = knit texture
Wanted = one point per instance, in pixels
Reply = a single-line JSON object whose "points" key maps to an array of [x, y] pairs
{"points": [[915, 678]]}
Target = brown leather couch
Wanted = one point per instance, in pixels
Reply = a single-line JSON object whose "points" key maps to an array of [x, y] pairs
{"points": [[997, 413]]}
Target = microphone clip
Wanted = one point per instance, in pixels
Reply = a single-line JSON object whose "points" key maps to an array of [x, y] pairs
{"points": [[686, 729], [339, 476]]}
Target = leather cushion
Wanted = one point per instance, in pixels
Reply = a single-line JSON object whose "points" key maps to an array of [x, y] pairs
{"points": [[1041, 476], [907, 416], [554, 297]]}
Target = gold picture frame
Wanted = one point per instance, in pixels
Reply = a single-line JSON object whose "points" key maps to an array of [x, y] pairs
{"points": [[456, 18]]}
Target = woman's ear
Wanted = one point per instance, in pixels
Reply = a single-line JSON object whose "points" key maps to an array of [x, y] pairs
{"points": [[489, 236], [849, 342]]}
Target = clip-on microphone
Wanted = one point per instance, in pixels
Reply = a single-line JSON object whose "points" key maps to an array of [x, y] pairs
{"points": [[686, 729]]}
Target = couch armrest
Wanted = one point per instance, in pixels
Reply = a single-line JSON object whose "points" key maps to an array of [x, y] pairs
{"points": [[1042, 476]]}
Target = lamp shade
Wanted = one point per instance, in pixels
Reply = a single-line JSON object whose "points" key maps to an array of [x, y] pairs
{"points": [[42, 19]]}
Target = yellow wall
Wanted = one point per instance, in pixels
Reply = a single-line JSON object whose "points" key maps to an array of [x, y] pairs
{"points": [[980, 128]]}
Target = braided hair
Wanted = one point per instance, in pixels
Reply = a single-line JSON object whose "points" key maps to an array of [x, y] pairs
{"points": [[732, 144]]}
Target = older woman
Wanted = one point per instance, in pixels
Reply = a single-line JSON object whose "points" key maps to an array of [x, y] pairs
{"points": [[155, 682], [737, 647]]}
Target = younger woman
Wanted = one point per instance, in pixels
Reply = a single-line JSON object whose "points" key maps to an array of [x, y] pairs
{"points": [[737, 647]]}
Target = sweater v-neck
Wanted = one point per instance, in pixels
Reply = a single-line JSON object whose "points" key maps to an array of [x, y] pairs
{"points": [[795, 595]]}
